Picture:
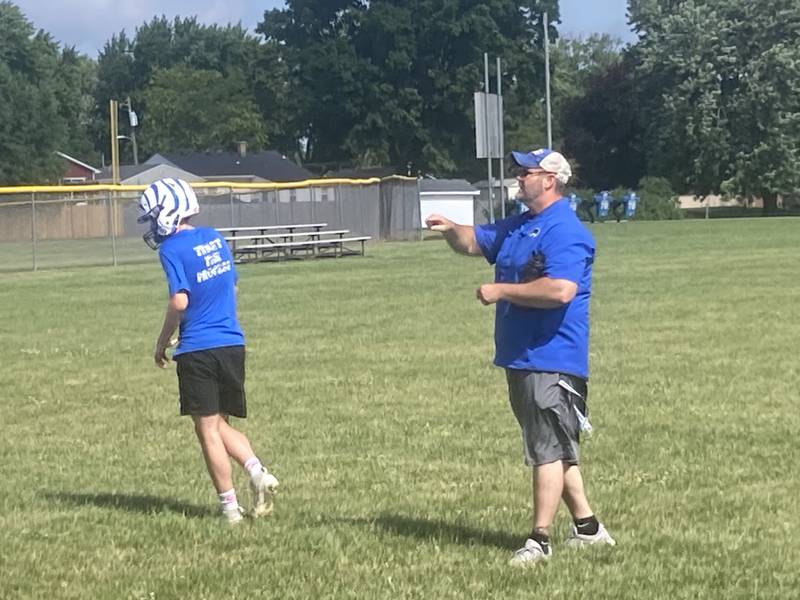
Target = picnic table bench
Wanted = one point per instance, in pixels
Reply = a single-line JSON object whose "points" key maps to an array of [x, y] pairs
{"points": [[262, 229], [269, 238], [279, 244]]}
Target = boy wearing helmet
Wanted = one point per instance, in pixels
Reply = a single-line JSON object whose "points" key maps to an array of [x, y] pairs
{"points": [[210, 351]]}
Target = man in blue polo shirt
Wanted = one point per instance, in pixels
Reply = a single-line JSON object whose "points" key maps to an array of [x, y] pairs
{"points": [[543, 269], [210, 353]]}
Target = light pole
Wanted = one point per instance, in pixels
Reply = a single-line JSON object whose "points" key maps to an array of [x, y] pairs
{"points": [[132, 139], [113, 113], [113, 109], [547, 79], [133, 120]]}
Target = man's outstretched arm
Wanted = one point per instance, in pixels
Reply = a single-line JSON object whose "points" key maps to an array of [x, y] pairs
{"points": [[461, 238]]}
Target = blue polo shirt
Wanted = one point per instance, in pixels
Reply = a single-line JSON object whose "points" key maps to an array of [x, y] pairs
{"points": [[199, 262], [539, 339]]}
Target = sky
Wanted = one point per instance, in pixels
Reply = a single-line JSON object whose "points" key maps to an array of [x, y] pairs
{"points": [[88, 24]]}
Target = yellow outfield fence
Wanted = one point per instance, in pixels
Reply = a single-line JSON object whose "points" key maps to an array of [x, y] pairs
{"points": [[100, 187], [95, 224]]}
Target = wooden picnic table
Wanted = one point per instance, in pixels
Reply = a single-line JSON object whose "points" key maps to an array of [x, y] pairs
{"points": [[256, 239], [319, 247], [270, 237], [263, 229]]}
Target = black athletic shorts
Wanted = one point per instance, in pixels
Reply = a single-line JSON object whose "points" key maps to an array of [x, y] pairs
{"points": [[212, 381]]}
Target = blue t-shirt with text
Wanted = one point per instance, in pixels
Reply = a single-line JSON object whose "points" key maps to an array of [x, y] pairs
{"points": [[552, 244], [199, 262]]}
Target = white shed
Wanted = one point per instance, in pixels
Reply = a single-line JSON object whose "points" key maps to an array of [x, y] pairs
{"points": [[451, 198]]}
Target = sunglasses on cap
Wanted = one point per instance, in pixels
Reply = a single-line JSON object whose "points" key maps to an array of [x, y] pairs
{"points": [[520, 172]]}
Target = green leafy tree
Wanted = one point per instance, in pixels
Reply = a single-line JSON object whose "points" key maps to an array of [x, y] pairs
{"points": [[115, 81], [75, 79], [724, 106], [658, 201], [391, 81], [599, 114], [575, 64], [192, 109], [268, 78], [130, 66], [161, 44], [31, 126]]}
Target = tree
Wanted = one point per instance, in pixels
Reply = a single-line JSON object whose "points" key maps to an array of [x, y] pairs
{"points": [[268, 78], [31, 128], [724, 108], [657, 201], [598, 108], [217, 55], [392, 81], [75, 79], [192, 109]]}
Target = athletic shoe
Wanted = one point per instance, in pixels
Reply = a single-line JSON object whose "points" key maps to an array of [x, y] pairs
{"points": [[579, 540], [233, 516], [531, 553], [263, 486]]}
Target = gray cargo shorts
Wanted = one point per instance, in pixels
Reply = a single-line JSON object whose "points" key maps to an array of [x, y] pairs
{"points": [[547, 407]]}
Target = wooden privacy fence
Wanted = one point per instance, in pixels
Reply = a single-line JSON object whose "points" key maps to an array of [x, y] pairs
{"points": [[58, 219]]}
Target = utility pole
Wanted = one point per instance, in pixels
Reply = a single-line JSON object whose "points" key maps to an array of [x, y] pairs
{"points": [[490, 187], [113, 109], [547, 79], [489, 136], [501, 136], [133, 120]]}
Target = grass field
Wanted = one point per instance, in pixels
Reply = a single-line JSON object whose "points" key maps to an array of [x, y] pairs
{"points": [[373, 399], [60, 254]]}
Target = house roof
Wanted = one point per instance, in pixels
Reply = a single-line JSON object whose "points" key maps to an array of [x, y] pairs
{"points": [[269, 165], [77, 162], [125, 171], [447, 185], [145, 174]]}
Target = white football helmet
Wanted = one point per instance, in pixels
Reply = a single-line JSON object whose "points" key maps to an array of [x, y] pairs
{"points": [[164, 204]]}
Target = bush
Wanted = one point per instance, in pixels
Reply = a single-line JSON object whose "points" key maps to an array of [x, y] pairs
{"points": [[657, 201]]}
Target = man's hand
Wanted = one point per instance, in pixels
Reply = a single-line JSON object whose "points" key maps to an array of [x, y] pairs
{"points": [[160, 353], [439, 223], [460, 238], [488, 293]]}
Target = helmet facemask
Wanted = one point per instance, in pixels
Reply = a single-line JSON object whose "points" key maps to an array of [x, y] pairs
{"points": [[153, 237]]}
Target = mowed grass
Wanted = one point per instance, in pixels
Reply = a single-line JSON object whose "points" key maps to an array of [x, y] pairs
{"points": [[60, 254], [373, 398]]}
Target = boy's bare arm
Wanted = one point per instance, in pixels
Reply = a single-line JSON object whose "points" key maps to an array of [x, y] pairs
{"points": [[172, 319]]}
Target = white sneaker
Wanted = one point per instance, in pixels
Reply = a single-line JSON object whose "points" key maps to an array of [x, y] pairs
{"points": [[531, 553], [579, 540], [233, 516], [264, 486]]}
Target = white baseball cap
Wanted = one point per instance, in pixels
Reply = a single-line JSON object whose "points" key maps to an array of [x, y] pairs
{"points": [[544, 158]]}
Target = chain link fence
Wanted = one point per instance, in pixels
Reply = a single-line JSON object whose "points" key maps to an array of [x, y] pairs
{"points": [[55, 227]]}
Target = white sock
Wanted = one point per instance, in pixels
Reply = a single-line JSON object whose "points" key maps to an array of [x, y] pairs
{"points": [[253, 466], [228, 500]]}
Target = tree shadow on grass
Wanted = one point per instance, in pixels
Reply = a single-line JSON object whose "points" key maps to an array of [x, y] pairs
{"points": [[437, 530], [135, 503]]}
